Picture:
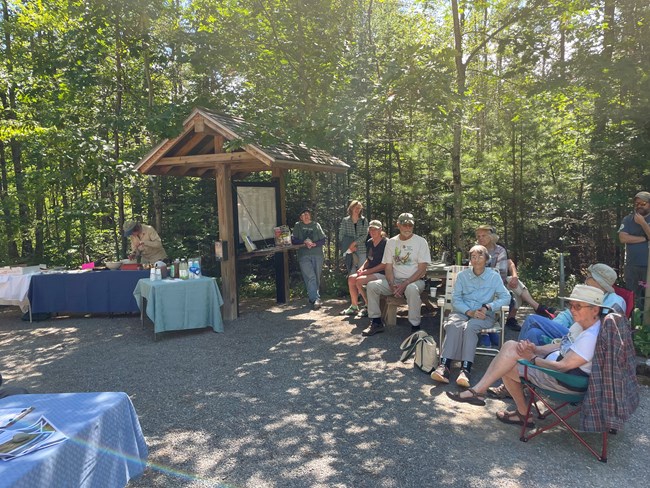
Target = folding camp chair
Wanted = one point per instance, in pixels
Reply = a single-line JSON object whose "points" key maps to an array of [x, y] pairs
{"points": [[445, 307], [609, 395], [628, 296]]}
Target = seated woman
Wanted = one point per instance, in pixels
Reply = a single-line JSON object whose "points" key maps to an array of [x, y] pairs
{"points": [[370, 270], [478, 291], [540, 329], [573, 355]]}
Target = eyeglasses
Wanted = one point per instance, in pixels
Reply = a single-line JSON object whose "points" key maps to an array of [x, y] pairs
{"points": [[578, 306]]}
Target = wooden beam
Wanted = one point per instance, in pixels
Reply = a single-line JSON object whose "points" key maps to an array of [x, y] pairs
{"points": [[218, 143], [227, 233], [189, 145], [283, 259], [206, 158], [323, 168], [199, 126]]}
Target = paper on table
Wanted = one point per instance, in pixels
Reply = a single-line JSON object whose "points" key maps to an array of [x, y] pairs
{"points": [[39, 435]]}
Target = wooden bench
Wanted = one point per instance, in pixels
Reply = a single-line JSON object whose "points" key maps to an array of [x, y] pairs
{"points": [[388, 305]]}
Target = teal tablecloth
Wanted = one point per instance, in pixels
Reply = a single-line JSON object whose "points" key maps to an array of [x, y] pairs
{"points": [[179, 305]]}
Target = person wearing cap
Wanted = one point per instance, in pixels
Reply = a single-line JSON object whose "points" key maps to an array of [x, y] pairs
{"points": [[572, 355], [310, 256], [478, 292], [406, 258], [371, 269], [145, 242], [541, 330], [353, 234], [634, 232]]}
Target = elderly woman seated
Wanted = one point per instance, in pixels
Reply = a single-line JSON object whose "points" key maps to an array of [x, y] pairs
{"points": [[478, 291], [572, 355]]}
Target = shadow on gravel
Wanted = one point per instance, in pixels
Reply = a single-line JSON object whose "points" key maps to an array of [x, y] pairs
{"points": [[288, 397]]}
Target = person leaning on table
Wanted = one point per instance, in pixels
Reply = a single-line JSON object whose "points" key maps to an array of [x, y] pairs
{"points": [[572, 355], [145, 242]]}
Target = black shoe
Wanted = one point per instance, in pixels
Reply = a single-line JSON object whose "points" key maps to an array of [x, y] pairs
{"points": [[373, 329], [512, 323], [415, 328], [545, 311]]}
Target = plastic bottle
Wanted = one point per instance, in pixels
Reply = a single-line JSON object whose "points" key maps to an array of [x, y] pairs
{"points": [[152, 274], [158, 274], [177, 268], [183, 270], [197, 264], [171, 271], [192, 270]]}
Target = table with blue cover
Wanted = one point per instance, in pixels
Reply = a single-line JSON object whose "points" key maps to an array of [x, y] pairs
{"points": [[105, 446], [85, 292], [181, 304]]}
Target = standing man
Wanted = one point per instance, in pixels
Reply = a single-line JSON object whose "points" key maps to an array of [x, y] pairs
{"points": [[145, 242], [310, 257], [634, 233], [406, 258]]}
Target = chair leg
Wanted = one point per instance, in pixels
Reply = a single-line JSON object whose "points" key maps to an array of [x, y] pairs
{"points": [[561, 419]]}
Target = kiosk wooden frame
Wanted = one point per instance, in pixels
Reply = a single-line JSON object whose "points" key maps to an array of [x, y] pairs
{"points": [[199, 151]]}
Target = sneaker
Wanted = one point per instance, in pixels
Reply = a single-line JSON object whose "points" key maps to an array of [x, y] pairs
{"points": [[317, 304], [373, 329], [363, 312], [441, 374], [351, 310], [415, 328], [499, 392], [463, 379], [512, 323]]}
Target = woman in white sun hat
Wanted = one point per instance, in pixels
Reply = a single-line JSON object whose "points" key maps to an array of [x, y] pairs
{"points": [[572, 355]]}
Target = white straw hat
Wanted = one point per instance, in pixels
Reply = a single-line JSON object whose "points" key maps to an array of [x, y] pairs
{"points": [[587, 294]]}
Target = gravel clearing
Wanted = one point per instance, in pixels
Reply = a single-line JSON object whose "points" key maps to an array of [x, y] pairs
{"points": [[289, 397]]}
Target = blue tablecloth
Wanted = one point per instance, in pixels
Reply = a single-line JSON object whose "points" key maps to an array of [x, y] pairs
{"points": [[105, 446], [89, 292], [181, 304]]}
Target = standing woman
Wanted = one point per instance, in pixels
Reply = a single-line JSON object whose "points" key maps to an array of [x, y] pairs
{"points": [[353, 234], [310, 255]]}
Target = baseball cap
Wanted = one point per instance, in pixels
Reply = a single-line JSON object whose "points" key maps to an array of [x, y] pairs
{"points": [[405, 218], [376, 224]]}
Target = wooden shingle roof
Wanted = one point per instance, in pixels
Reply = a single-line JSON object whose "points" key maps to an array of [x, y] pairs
{"points": [[210, 139]]}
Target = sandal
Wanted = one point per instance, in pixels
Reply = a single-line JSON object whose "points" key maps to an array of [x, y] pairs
{"points": [[474, 399], [513, 417]]}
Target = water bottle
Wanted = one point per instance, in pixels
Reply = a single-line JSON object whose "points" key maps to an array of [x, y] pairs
{"points": [[197, 264], [183, 271], [171, 271], [158, 274], [177, 268], [193, 270], [152, 274]]}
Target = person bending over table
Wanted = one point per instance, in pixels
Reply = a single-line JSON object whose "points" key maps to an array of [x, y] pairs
{"points": [[478, 292], [573, 355], [145, 242], [371, 269]]}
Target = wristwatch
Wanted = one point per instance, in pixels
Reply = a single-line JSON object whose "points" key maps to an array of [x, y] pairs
{"points": [[487, 307]]}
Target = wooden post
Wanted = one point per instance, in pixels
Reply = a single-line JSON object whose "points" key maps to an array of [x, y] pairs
{"points": [[282, 295], [227, 233]]}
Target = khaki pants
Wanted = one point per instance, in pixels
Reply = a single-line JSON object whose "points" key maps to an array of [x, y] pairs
{"points": [[375, 289]]}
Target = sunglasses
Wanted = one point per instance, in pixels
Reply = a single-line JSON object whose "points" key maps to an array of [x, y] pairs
{"points": [[578, 306]]}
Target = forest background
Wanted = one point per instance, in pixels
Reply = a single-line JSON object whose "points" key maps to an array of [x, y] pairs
{"points": [[533, 116]]}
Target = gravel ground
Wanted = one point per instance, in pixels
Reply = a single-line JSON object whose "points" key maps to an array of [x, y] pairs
{"points": [[287, 397]]}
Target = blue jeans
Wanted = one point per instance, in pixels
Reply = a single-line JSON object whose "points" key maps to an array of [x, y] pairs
{"points": [[311, 267], [541, 330]]}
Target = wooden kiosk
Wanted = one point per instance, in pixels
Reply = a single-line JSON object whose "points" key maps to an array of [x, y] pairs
{"points": [[199, 151]]}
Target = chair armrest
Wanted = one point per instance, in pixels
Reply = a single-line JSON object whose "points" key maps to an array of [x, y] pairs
{"points": [[569, 379]]}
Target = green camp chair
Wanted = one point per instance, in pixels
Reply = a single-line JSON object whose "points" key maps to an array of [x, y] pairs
{"points": [[566, 406]]}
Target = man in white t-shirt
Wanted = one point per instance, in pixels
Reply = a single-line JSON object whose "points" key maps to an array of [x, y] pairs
{"points": [[406, 258]]}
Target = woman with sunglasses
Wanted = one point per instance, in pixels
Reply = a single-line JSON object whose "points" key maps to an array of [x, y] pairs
{"points": [[573, 354]]}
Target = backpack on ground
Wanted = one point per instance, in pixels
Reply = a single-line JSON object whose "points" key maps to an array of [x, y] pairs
{"points": [[425, 349]]}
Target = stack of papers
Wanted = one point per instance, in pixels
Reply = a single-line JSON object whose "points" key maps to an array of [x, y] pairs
{"points": [[16, 442]]}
